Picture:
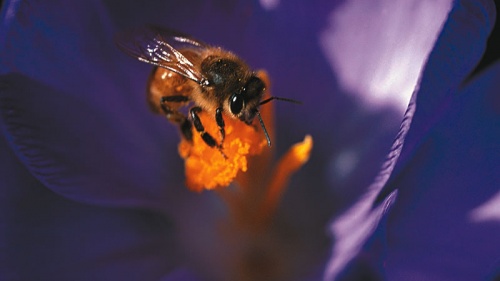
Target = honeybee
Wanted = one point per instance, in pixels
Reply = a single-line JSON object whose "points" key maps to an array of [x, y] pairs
{"points": [[189, 71]]}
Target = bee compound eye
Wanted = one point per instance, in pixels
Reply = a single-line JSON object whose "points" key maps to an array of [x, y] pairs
{"points": [[236, 104]]}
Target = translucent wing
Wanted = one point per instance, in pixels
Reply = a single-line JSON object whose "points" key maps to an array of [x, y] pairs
{"points": [[160, 47]]}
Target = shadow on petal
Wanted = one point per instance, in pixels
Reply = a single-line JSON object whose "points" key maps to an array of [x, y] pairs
{"points": [[75, 149], [45, 236]]}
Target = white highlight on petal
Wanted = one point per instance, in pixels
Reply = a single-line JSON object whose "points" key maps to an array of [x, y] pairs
{"points": [[7, 14], [489, 211], [10, 10], [378, 47], [269, 4], [353, 228]]}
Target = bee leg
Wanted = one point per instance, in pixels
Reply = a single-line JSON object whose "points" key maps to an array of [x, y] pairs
{"points": [[207, 138], [187, 129], [176, 116], [220, 123]]}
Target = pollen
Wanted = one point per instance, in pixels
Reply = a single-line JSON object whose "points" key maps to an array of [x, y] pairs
{"points": [[209, 168]]}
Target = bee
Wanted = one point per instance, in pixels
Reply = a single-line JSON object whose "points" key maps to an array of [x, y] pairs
{"points": [[188, 71]]}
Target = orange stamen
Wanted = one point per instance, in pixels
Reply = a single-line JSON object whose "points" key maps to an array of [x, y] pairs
{"points": [[293, 160]]}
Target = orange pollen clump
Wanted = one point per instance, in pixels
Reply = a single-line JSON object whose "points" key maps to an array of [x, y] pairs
{"points": [[206, 167]]}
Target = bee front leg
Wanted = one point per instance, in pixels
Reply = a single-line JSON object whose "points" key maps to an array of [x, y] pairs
{"points": [[207, 138], [220, 123], [176, 116]]}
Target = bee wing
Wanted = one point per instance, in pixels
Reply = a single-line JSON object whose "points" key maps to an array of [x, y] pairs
{"points": [[160, 47]]}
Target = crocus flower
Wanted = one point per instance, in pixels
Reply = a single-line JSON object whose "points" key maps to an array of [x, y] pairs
{"points": [[92, 186]]}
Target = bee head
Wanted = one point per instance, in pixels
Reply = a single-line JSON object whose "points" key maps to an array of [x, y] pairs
{"points": [[244, 102]]}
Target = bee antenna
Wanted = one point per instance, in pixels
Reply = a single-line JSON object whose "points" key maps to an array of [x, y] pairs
{"points": [[263, 128], [281, 99]]}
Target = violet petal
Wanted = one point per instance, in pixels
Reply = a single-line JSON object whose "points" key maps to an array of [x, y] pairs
{"points": [[45, 236], [362, 255]]}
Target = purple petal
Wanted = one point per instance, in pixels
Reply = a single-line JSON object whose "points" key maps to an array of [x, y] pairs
{"points": [[76, 150], [45, 236], [364, 234], [443, 226], [182, 274], [454, 57]]}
